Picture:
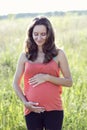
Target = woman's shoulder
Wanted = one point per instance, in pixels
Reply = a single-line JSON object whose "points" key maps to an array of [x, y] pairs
{"points": [[61, 52], [60, 55], [22, 57]]}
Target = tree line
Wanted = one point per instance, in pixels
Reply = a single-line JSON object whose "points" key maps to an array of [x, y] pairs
{"points": [[54, 13]]}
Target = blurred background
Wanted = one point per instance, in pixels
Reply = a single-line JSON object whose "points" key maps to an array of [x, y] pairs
{"points": [[69, 20]]}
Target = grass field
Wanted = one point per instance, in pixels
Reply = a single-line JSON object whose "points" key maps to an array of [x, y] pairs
{"points": [[71, 35]]}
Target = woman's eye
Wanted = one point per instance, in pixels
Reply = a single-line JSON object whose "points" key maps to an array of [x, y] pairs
{"points": [[35, 34], [43, 34]]}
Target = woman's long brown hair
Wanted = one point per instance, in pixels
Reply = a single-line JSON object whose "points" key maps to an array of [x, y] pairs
{"points": [[49, 48]]}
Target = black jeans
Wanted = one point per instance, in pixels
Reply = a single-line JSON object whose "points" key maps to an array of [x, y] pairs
{"points": [[48, 120]]}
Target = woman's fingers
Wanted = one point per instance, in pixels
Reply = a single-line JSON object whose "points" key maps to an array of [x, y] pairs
{"points": [[36, 80], [33, 106]]}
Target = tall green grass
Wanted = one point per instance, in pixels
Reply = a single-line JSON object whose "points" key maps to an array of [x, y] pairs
{"points": [[71, 35]]}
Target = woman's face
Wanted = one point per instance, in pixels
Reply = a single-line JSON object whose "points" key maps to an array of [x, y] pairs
{"points": [[39, 34]]}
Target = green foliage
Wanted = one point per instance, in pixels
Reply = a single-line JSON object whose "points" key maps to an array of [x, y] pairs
{"points": [[71, 35]]}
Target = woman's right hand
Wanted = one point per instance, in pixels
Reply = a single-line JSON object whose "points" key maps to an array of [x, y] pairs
{"points": [[33, 106]]}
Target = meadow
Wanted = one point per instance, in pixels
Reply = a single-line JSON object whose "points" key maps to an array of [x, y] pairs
{"points": [[71, 36]]}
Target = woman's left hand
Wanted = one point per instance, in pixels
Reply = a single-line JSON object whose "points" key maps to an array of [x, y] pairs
{"points": [[38, 79]]}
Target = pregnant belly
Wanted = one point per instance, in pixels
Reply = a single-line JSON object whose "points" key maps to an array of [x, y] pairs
{"points": [[47, 95]]}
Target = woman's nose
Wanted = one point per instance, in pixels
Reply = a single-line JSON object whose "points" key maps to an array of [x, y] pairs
{"points": [[39, 37]]}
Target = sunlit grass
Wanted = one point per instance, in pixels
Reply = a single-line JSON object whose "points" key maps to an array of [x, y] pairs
{"points": [[71, 35]]}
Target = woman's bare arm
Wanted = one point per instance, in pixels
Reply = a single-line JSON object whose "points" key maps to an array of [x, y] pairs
{"points": [[32, 106], [17, 78], [66, 80]]}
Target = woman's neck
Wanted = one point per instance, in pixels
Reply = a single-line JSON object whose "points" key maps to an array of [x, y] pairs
{"points": [[40, 50]]}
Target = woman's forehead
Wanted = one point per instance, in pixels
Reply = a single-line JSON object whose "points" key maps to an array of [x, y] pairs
{"points": [[38, 28]]}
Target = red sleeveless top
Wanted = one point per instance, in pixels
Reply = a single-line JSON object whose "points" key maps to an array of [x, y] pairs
{"points": [[47, 94]]}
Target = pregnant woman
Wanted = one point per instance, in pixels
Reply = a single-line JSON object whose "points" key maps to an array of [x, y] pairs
{"points": [[40, 65]]}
